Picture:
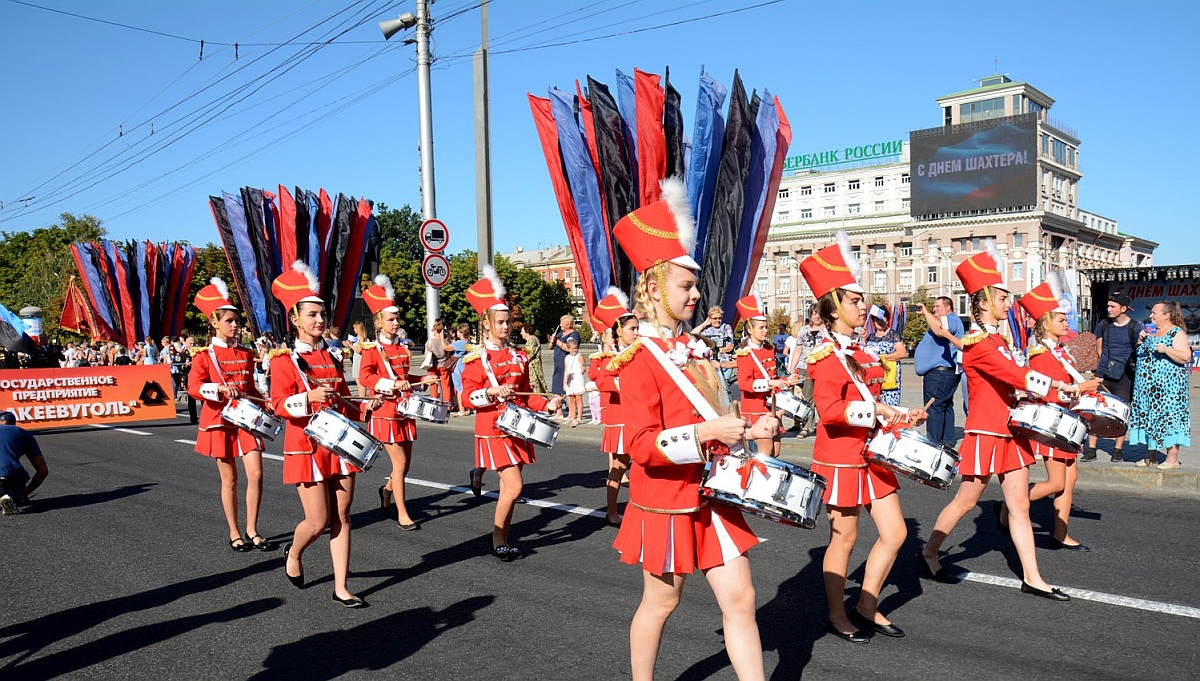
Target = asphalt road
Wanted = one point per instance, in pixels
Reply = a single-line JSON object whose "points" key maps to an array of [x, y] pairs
{"points": [[122, 571]]}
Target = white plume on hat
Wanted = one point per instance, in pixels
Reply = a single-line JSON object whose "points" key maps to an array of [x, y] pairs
{"points": [[675, 194], [222, 287], [619, 295], [1055, 284], [758, 302], [386, 283], [303, 268], [489, 272], [843, 240], [989, 247]]}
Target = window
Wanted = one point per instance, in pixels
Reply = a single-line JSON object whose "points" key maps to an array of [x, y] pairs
{"points": [[805, 213], [856, 252], [906, 280], [806, 191], [879, 181], [785, 286], [1018, 271], [852, 184], [877, 251], [829, 187], [962, 304], [904, 204], [783, 215], [981, 110], [880, 281], [1018, 241], [879, 206], [830, 211], [762, 287], [905, 250], [783, 192], [904, 179], [554, 275], [932, 278], [854, 208]]}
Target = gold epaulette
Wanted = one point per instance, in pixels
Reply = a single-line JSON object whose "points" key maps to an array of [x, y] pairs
{"points": [[602, 355], [1035, 350], [820, 352], [367, 345], [742, 353], [622, 358], [277, 352], [471, 357], [473, 348], [973, 338], [195, 350]]}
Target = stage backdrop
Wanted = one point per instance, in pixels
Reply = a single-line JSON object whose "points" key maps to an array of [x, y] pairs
{"points": [[53, 398]]}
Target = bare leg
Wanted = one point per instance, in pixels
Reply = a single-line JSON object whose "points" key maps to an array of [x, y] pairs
{"points": [[341, 496], [969, 491], [510, 488], [617, 465], [889, 520], [660, 596], [1056, 475], [227, 467], [843, 532], [1172, 454], [315, 501], [734, 589], [1015, 485], [400, 455], [1062, 504], [252, 463]]}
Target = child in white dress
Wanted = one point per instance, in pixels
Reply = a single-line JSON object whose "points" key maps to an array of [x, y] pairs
{"points": [[573, 382]]}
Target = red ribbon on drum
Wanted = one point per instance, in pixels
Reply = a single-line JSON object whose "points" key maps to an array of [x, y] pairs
{"points": [[747, 468]]}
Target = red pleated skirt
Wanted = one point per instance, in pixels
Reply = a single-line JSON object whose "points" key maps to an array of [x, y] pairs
{"points": [[496, 452], [983, 454], [391, 431], [683, 543], [1034, 449], [850, 487], [227, 442], [316, 467], [611, 442]]}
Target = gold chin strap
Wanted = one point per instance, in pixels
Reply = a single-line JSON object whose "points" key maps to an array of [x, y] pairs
{"points": [[661, 277], [837, 300], [992, 303]]}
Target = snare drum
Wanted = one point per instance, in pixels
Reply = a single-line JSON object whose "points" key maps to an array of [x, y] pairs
{"points": [[1107, 415], [529, 425], [915, 456], [250, 417], [1049, 424], [343, 437], [792, 405], [774, 489], [426, 408]]}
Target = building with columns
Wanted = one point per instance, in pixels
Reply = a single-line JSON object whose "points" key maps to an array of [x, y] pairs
{"points": [[1026, 200]]}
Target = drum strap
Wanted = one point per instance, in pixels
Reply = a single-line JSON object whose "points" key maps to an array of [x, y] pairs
{"points": [[1057, 351], [706, 410], [212, 354], [863, 390], [303, 378], [487, 366], [757, 363], [387, 363]]}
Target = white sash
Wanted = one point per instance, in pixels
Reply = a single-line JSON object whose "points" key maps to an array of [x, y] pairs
{"points": [[758, 363], [863, 390], [689, 390], [1057, 351]]}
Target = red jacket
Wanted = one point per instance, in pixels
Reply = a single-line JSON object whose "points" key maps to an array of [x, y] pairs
{"points": [[508, 367], [608, 385], [992, 375], [754, 385], [236, 369], [373, 369], [1048, 360], [846, 419], [288, 389]]}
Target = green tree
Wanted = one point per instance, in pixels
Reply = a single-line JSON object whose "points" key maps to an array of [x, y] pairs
{"points": [[400, 231], [210, 262], [35, 266]]}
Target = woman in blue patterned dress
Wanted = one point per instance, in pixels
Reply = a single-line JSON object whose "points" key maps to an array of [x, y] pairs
{"points": [[1161, 414], [886, 343]]}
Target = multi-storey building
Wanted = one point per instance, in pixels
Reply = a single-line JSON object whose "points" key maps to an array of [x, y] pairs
{"points": [[554, 264]]}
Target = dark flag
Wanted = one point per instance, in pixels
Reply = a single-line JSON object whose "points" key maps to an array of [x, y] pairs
{"points": [[615, 177], [230, 244], [189, 268], [253, 298], [762, 161], [627, 105], [783, 140], [673, 130], [339, 249], [271, 317], [707, 138], [161, 279], [728, 197]]}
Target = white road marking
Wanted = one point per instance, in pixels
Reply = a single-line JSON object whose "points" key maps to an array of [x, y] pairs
{"points": [[566, 508], [131, 431], [1097, 596], [187, 442]]}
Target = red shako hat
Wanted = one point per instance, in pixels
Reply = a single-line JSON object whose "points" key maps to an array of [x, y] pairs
{"points": [[1041, 300], [611, 307], [658, 232], [751, 307], [487, 293], [381, 297], [982, 269], [214, 297], [831, 268], [297, 285]]}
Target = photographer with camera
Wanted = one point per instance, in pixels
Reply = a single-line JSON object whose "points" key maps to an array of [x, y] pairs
{"points": [[1118, 338]]}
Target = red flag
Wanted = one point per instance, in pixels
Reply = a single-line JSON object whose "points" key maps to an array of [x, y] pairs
{"points": [[547, 131], [651, 139], [188, 266], [783, 139], [352, 267], [324, 227], [589, 134], [285, 227], [128, 317]]}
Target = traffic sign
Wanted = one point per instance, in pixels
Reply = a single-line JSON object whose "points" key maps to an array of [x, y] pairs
{"points": [[436, 269], [434, 236]]}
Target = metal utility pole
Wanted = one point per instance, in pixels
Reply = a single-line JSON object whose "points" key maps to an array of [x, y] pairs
{"points": [[483, 148], [425, 104]]}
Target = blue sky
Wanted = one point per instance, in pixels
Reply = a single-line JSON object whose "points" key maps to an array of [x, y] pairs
{"points": [[345, 118]]}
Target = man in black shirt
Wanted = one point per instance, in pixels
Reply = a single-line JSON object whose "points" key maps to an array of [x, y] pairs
{"points": [[1117, 340]]}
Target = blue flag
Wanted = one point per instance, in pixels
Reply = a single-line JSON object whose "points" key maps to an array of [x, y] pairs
{"points": [[256, 302], [762, 158], [627, 105], [705, 156]]}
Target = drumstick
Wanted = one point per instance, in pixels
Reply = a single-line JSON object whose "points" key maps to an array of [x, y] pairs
{"points": [[928, 404]]}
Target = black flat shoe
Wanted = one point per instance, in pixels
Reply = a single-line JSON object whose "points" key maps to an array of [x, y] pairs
{"points": [[940, 576], [1053, 594], [409, 527], [354, 602], [1069, 547], [476, 489], [263, 545], [503, 552], [869, 626], [297, 582], [240, 545], [853, 637]]}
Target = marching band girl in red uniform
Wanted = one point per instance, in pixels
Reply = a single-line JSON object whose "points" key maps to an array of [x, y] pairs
{"points": [[668, 527], [384, 369], [846, 388], [491, 378], [756, 370], [222, 372], [612, 314], [988, 448], [304, 382], [1047, 357]]}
